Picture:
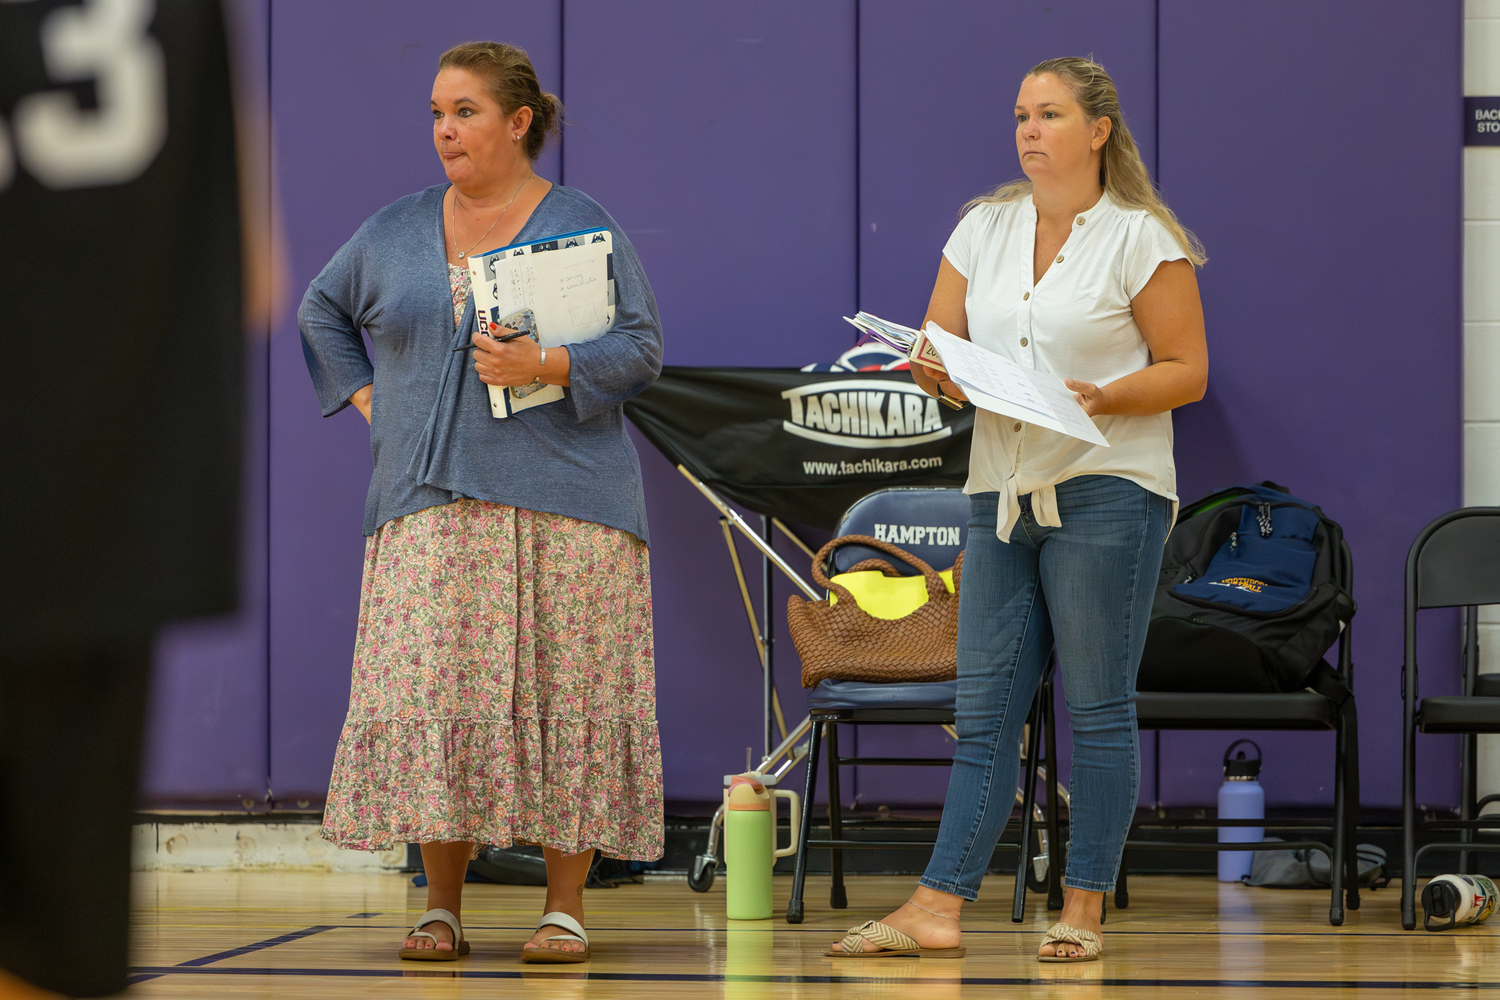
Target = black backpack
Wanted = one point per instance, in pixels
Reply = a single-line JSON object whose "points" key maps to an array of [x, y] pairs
{"points": [[1250, 597]]}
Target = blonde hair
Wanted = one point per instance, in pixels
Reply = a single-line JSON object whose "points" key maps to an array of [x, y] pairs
{"points": [[1121, 171], [511, 80]]}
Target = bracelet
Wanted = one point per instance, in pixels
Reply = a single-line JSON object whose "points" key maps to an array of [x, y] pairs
{"points": [[544, 357]]}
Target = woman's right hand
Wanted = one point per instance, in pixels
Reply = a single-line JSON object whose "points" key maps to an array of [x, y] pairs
{"points": [[361, 400], [926, 378], [933, 383]]}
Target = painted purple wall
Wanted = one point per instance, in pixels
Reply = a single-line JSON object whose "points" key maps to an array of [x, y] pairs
{"points": [[834, 143], [1332, 297]]}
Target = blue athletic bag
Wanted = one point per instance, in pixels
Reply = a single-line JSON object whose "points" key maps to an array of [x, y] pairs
{"points": [[1249, 599]]}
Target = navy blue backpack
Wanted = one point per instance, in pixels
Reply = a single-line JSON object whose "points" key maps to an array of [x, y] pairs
{"points": [[1251, 595]]}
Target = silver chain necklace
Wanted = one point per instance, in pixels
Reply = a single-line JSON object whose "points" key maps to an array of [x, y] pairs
{"points": [[464, 253]]}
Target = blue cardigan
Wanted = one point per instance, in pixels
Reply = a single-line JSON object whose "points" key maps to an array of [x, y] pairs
{"points": [[431, 432]]}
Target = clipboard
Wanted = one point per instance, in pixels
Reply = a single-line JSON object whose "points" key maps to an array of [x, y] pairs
{"points": [[568, 284]]}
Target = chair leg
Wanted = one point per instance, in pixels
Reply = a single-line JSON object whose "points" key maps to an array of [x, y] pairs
{"points": [[1351, 811], [1122, 883], [1469, 745], [1409, 822], [1466, 796], [1057, 858], [809, 789], [1028, 799], [1338, 868], [837, 897]]}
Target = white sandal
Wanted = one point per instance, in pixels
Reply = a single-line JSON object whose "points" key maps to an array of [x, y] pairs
{"points": [[557, 955], [460, 943]]}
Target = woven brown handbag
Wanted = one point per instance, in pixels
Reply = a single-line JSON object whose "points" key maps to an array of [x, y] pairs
{"points": [[842, 642]]}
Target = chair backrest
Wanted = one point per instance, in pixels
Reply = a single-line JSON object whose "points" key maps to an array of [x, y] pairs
{"points": [[1455, 561], [932, 523]]}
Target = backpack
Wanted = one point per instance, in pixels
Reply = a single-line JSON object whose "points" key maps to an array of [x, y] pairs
{"points": [[1249, 597]]}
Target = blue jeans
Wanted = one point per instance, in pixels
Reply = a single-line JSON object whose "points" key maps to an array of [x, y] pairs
{"points": [[1087, 587]]}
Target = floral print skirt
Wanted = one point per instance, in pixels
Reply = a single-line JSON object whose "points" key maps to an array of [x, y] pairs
{"points": [[504, 690]]}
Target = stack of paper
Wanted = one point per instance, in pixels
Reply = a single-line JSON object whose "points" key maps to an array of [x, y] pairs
{"points": [[912, 343]]}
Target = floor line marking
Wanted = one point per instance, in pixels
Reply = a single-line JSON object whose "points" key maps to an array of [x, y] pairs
{"points": [[687, 977], [250, 948]]}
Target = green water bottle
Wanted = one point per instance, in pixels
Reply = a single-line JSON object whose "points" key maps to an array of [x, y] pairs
{"points": [[750, 845]]}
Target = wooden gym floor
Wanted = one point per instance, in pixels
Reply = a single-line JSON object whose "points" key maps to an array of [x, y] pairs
{"points": [[276, 934]]}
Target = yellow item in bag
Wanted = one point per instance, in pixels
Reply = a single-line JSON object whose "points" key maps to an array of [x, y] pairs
{"points": [[888, 597]]}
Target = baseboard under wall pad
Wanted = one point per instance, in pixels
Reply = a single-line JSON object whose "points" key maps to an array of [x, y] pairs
{"points": [[242, 846]]}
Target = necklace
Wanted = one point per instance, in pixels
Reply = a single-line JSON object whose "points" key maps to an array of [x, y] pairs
{"points": [[464, 253]]}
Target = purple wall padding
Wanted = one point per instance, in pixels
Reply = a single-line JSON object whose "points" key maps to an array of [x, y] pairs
{"points": [[937, 86], [206, 727], [349, 94], [778, 165], [1332, 298], [724, 145]]}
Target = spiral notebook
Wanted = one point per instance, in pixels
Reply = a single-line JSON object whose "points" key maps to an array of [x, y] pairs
{"points": [[568, 284]]}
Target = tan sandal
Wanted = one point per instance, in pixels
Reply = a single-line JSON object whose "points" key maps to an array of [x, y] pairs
{"points": [[1068, 934], [460, 943], [557, 956], [890, 942]]}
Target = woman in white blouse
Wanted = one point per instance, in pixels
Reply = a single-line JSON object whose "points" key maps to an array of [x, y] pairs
{"points": [[1082, 271]]}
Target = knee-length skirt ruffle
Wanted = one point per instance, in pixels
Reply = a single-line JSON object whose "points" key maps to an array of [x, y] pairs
{"points": [[503, 687]]}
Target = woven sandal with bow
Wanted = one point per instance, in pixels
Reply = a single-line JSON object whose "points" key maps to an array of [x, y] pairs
{"points": [[1068, 934], [890, 942]]}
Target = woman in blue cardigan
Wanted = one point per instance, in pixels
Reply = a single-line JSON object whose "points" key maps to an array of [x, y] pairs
{"points": [[503, 689]]}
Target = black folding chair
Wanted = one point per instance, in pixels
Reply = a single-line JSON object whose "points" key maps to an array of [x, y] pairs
{"points": [[1454, 562], [933, 525], [1301, 710]]}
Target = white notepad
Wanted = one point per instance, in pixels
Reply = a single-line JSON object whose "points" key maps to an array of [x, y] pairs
{"points": [[567, 281]]}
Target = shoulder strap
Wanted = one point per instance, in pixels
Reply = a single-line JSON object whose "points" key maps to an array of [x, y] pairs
{"points": [[1326, 681]]}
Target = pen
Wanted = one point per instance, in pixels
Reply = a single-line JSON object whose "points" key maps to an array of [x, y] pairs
{"points": [[501, 340]]}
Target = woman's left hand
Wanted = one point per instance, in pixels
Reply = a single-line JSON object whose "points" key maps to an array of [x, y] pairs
{"points": [[1089, 395], [514, 362]]}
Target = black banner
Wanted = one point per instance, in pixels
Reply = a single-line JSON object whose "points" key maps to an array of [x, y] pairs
{"points": [[803, 446]]}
